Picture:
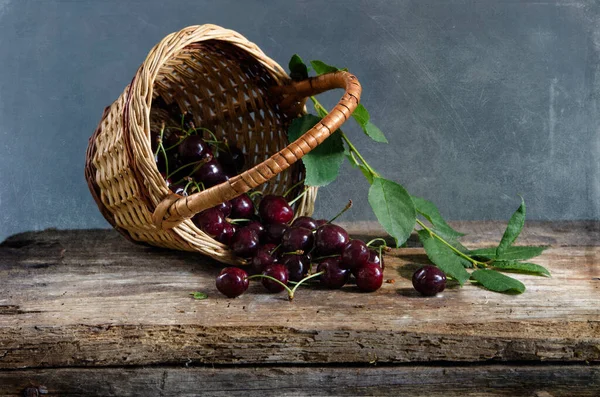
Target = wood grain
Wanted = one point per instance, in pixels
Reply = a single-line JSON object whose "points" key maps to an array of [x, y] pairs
{"points": [[422, 381], [91, 298]]}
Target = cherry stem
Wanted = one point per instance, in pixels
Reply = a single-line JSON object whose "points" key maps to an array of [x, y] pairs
{"points": [[255, 193], [290, 292], [293, 187], [299, 197], [325, 257], [236, 221], [297, 252], [198, 164], [377, 239], [433, 234], [305, 279], [346, 208]]}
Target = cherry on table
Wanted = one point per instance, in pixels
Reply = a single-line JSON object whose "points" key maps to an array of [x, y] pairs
{"points": [[242, 207], [232, 282], [306, 222], [297, 238], [354, 254], [275, 209], [369, 277], [210, 221], [335, 275], [262, 258], [330, 240], [278, 272], [245, 243], [429, 280], [297, 265]]}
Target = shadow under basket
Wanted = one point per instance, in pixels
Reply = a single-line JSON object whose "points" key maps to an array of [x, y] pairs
{"points": [[232, 89]]}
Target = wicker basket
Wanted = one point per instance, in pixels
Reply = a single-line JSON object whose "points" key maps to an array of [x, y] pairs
{"points": [[231, 88]]}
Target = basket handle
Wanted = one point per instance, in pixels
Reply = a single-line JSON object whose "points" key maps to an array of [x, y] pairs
{"points": [[174, 209]]}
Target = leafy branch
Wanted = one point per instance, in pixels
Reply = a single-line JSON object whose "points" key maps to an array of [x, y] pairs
{"points": [[398, 212]]}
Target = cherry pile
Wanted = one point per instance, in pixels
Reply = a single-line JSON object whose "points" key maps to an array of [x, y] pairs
{"points": [[187, 160], [282, 251]]}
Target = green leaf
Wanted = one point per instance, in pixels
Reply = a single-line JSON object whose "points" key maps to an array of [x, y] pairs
{"points": [[432, 214], [513, 229], [498, 282], [321, 67], [298, 69], [374, 132], [362, 117], [323, 162], [521, 267], [199, 295], [393, 207], [443, 257], [511, 253]]}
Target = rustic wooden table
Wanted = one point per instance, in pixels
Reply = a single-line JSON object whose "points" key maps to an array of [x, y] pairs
{"points": [[88, 313]]}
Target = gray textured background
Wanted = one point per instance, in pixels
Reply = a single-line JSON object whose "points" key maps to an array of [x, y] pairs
{"points": [[481, 100]]}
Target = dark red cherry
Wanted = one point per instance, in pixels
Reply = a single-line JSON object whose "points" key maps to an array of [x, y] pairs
{"points": [[369, 277], [330, 240], [193, 148], [242, 207], [257, 227], [374, 257], [297, 238], [429, 280], [321, 222], [210, 221], [306, 222], [264, 257], [245, 243], [278, 272], [275, 209], [211, 174], [233, 161], [335, 275], [274, 232], [354, 255], [232, 282], [224, 207], [297, 265], [226, 235]]}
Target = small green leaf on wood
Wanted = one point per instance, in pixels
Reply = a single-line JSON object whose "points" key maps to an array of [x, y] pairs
{"points": [[323, 162], [498, 282], [513, 229], [443, 257], [393, 207], [199, 295], [510, 253], [298, 69], [521, 267], [321, 67]]}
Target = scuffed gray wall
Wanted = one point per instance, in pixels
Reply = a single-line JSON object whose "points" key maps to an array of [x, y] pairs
{"points": [[481, 100]]}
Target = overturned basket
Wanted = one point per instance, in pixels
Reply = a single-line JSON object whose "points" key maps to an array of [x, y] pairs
{"points": [[231, 88]]}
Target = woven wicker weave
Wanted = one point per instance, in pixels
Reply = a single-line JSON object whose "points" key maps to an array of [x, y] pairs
{"points": [[234, 90]]}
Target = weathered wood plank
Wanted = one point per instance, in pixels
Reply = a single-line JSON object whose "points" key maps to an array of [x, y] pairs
{"points": [[421, 381], [90, 298]]}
